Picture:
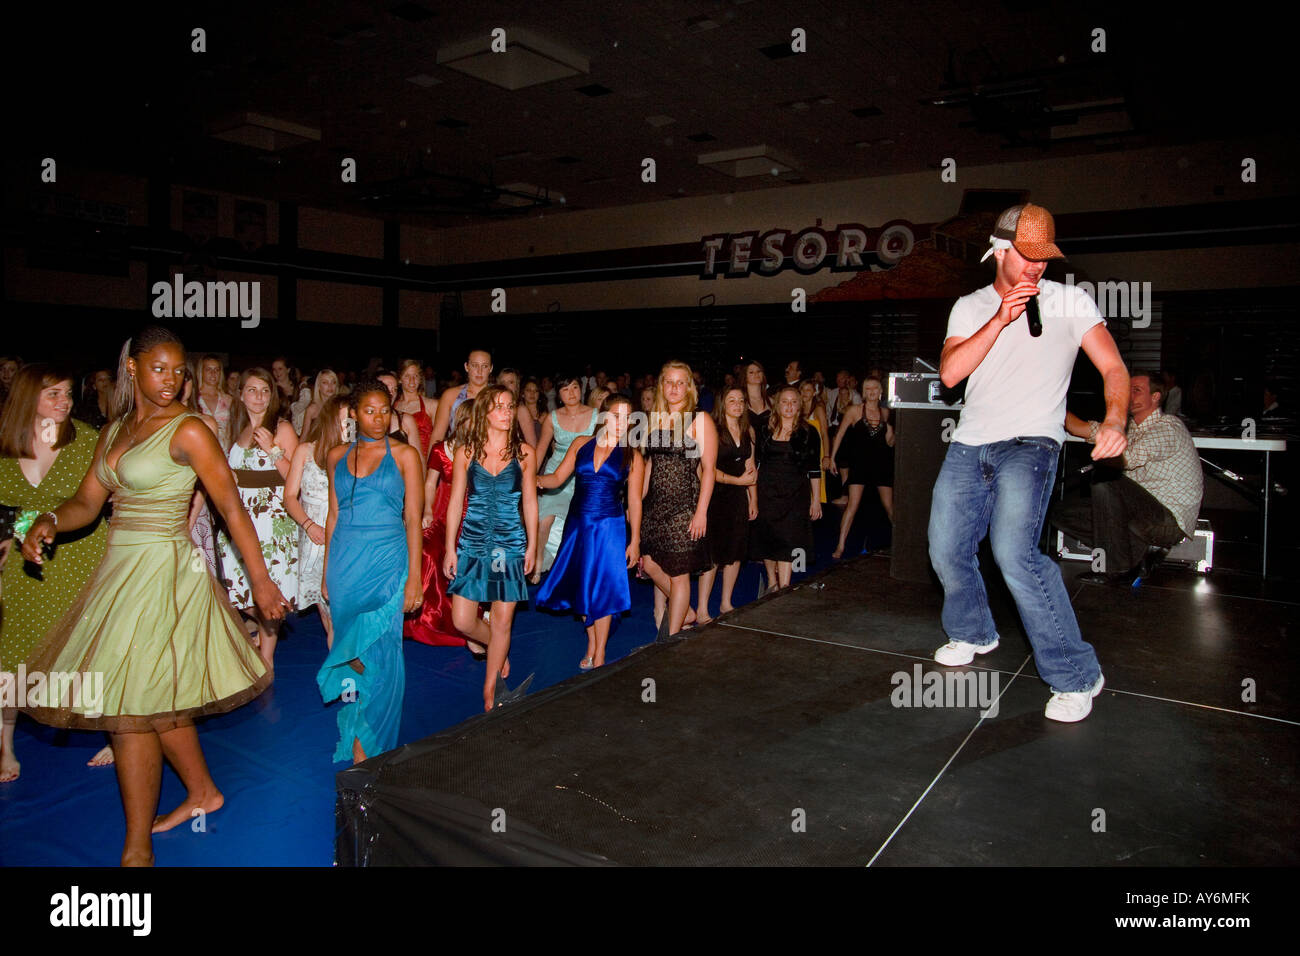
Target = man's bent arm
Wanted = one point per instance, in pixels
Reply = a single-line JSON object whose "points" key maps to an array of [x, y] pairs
{"points": [[961, 356], [1101, 350]]}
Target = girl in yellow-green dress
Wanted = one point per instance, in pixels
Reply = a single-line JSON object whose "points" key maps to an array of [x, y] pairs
{"points": [[153, 634]]}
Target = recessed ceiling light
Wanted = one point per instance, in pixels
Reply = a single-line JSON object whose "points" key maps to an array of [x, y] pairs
{"points": [[748, 161], [262, 131], [528, 60]]}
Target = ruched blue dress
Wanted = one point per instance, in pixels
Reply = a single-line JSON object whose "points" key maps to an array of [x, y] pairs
{"points": [[490, 549], [589, 576], [366, 577]]}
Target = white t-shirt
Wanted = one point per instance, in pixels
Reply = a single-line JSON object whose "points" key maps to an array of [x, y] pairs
{"points": [[833, 396], [1019, 389]]}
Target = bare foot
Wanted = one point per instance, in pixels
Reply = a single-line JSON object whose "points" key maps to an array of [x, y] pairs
{"points": [[489, 698], [690, 617], [701, 621], [9, 768], [837, 554], [210, 803], [505, 669], [137, 859], [102, 759], [725, 609]]}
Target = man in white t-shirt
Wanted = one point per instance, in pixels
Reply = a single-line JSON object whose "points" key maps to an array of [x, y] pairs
{"points": [[1000, 468]]}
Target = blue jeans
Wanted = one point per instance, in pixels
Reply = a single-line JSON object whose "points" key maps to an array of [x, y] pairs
{"points": [[1003, 489]]}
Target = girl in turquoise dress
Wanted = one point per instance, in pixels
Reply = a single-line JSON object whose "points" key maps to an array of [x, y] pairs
{"points": [[490, 558], [553, 504], [372, 575]]}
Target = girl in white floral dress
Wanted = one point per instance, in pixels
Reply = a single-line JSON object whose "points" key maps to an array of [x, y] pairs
{"points": [[307, 499], [260, 456]]}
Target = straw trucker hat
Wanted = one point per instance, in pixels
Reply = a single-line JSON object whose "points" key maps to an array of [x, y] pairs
{"points": [[1031, 229]]}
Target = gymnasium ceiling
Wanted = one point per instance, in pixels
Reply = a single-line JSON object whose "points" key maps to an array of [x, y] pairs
{"points": [[883, 88]]}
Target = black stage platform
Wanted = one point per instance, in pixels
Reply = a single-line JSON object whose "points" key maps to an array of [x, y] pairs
{"points": [[771, 739]]}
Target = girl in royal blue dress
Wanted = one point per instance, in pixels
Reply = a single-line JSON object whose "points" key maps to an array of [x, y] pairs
{"points": [[372, 575], [489, 560], [589, 576]]}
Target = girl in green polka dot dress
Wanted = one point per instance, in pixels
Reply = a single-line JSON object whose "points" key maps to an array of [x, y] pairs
{"points": [[43, 455]]}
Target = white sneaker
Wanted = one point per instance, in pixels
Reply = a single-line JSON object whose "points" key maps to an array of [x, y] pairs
{"points": [[957, 653], [1073, 707]]}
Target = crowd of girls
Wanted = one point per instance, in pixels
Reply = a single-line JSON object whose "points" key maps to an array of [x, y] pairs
{"points": [[395, 509]]}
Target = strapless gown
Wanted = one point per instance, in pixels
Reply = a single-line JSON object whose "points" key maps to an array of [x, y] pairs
{"points": [[492, 542], [555, 501], [589, 576], [366, 578], [152, 621], [432, 624]]}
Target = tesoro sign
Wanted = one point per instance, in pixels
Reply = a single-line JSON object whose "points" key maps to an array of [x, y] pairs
{"points": [[849, 245]]}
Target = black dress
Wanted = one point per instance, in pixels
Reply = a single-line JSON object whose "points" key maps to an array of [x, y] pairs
{"points": [[870, 459], [669, 507], [785, 468], [728, 532]]}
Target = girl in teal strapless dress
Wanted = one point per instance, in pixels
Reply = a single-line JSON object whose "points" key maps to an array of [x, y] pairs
{"points": [[553, 503], [372, 575], [490, 558], [152, 622]]}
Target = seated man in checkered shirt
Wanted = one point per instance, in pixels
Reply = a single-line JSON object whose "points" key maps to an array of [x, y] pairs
{"points": [[1136, 517]]}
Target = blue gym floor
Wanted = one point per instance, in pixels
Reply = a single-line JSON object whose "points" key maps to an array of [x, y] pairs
{"points": [[271, 758]]}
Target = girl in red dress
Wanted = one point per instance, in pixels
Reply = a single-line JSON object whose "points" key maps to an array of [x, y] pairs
{"points": [[433, 624]]}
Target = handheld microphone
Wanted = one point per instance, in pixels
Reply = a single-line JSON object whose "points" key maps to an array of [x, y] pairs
{"points": [[1035, 319]]}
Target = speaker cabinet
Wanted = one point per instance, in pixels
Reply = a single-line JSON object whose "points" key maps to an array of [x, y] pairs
{"points": [[922, 427]]}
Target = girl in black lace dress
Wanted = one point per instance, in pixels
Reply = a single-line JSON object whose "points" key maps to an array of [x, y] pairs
{"points": [[789, 492], [734, 503], [681, 454]]}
